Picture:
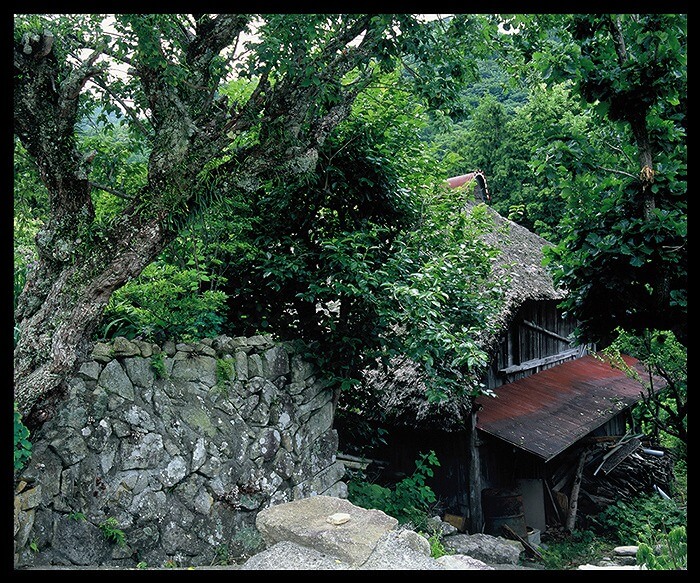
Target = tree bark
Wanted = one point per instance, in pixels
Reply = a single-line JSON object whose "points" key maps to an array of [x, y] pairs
{"points": [[55, 336]]}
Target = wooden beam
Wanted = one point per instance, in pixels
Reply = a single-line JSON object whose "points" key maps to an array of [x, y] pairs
{"points": [[530, 364], [612, 459], [563, 480], [510, 533], [545, 331], [555, 506]]}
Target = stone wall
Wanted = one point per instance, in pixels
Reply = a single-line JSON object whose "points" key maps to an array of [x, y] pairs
{"points": [[164, 455]]}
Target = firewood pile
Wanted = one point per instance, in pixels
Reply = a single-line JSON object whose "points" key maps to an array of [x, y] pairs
{"points": [[613, 469], [639, 473]]}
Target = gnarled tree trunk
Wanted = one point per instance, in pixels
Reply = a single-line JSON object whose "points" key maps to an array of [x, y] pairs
{"points": [[60, 306]]}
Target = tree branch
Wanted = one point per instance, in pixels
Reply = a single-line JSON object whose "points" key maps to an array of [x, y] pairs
{"points": [[621, 151], [128, 110], [215, 35], [618, 39], [245, 115], [111, 190], [622, 172], [121, 58]]}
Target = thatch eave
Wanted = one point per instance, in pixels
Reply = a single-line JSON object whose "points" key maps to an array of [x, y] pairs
{"points": [[403, 402]]}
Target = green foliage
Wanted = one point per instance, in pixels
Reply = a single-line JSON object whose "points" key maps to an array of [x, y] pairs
{"points": [[560, 168], [656, 525], [582, 547], [164, 302], [341, 258], [158, 131], [24, 254], [22, 447], [119, 160], [622, 250], [246, 541], [439, 81], [77, 516], [224, 373], [221, 556], [30, 202], [409, 501], [524, 147], [111, 531], [30, 198], [158, 365], [662, 415], [620, 257], [680, 487], [624, 520], [320, 241], [657, 73], [542, 137], [344, 259], [664, 551], [439, 292], [437, 548]]}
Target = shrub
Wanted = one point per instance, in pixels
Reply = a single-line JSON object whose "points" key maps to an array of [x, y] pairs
{"points": [[408, 502], [222, 556], [582, 547], [164, 302], [224, 373], [664, 551], [437, 548], [111, 531], [158, 365], [625, 520]]}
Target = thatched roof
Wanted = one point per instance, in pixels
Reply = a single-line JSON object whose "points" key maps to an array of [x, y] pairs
{"points": [[401, 390], [519, 265], [402, 399]]}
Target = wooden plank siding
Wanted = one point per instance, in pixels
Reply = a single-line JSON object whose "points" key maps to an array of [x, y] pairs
{"points": [[537, 339]]}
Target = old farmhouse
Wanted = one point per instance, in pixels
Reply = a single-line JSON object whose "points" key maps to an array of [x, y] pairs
{"points": [[544, 451]]}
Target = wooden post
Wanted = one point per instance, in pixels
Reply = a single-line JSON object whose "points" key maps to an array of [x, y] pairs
{"points": [[476, 521], [555, 506], [573, 501]]}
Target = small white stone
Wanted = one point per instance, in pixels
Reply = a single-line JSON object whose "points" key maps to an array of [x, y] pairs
{"points": [[338, 518]]}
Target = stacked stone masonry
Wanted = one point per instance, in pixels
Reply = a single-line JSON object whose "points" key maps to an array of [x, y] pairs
{"points": [[163, 456]]}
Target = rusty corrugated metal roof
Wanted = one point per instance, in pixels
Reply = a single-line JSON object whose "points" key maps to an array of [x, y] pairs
{"points": [[547, 412]]}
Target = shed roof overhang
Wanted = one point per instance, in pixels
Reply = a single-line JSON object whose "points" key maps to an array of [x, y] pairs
{"points": [[547, 412]]}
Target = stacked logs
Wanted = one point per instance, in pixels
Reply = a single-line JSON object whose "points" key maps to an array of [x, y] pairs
{"points": [[641, 472], [604, 471]]}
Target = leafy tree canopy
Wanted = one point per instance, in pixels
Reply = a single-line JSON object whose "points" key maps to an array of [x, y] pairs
{"points": [[622, 248]]}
